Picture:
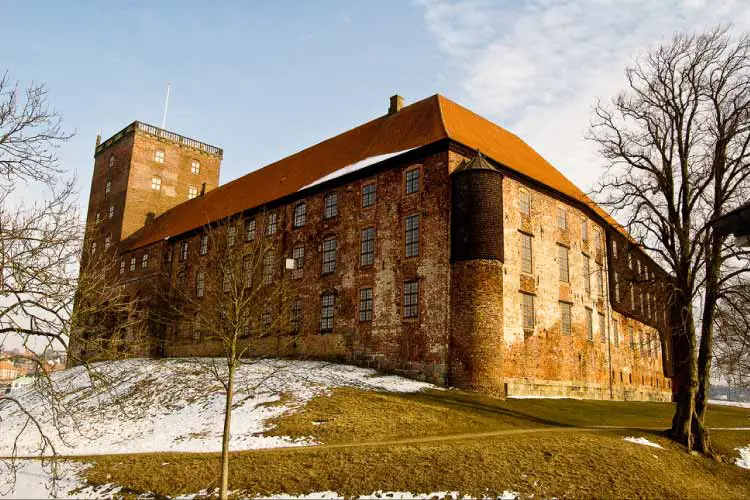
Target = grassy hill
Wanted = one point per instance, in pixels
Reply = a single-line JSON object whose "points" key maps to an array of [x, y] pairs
{"points": [[370, 437]]}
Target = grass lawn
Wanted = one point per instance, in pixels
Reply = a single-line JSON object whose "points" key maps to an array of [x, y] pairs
{"points": [[540, 451]]}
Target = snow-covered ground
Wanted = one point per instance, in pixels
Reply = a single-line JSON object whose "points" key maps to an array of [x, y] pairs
{"points": [[643, 441], [744, 460], [142, 405], [728, 403]]}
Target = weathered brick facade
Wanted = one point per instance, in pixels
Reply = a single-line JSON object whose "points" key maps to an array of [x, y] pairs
{"points": [[467, 270]]}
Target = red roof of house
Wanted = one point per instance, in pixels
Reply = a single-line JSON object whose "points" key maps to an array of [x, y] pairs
{"points": [[424, 122]]}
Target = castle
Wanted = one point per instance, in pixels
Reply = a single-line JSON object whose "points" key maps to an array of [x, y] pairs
{"points": [[428, 242]]}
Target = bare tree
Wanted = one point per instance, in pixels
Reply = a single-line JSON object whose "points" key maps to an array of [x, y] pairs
{"points": [[235, 306], [676, 145], [732, 346]]}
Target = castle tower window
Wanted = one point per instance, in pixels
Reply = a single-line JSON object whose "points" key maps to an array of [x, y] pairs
{"points": [[111, 212], [144, 261], [589, 324], [527, 255], [271, 224], [268, 268], [195, 167], [295, 318], [524, 202], [562, 263], [527, 312], [369, 195], [367, 247], [192, 192], [412, 180], [326, 312], [204, 244], [183, 250], [365, 304], [298, 254], [585, 231], [587, 274], [615, 333], [411, 299], [565, 318], [159, 156], [132, 264], [602, 328], [329, 255], [108, 187], [231, 235], [412, 235], [300, 214], [200, 283], [331, 206], [107, 241], [249, 229], [156, 183], [122, 267], [562, 218]]}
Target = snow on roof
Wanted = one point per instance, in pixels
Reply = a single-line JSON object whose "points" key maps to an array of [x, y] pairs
{"points": [[354, 167]]}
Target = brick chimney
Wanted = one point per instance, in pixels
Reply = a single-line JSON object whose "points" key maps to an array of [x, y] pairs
{"points": [[397, 102]]}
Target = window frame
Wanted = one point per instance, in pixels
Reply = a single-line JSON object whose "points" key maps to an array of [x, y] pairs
{"points": [[195, 167], [410, 299], [528, 327], [602, 327], [589, 321], [566, 323], [410, 182], [298, 255], [369, 199], [367, 239], [267, 268], [299, 217], [329, 255], [562, 218], [586, 274], [192, 192], [524, 202], [200, 283], [411, 235], [330, 205], [250, 228], [144, 261], [203, 248], [271, 223], [327, 311], [527, 238], [366, 300], [133, 264], [563, 256], [156, 183], [159, 156]]}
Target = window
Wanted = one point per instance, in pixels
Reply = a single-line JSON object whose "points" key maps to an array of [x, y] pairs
{"points": [[365, 304], [192, 192], [589, 324], [247, 272], [632, 295], [527, 260], [204, 244], [266, 318], [631, 337], [97, 218], [527, 312], [326, 312], [231, 235], [329, 255], [300, 214], [271, 224], [268, 268], [111, 211], [200, 283], [585, 230], [331, 206], [144, 261], [412, 235], [562, 218], [617, 288], [412, 181], [565, 319], [170, 249], [107, 241], [524, 202], [367, 247], [196, 330], [587, 274], [368, 195], [615, 333], [597, 240], [648, 305], [195, 167], [562, 263], [159, 156], [614, 250], [156, 183], [295, 317], [108, 187], [600, 280], [602, 328], [411, 299], [183, 250], [298, 254], [122, 267], [132, 264], [182, 279], [111, 161], [249, 229]]}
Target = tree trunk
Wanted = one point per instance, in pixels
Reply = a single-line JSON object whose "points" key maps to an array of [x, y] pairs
{"points": [[686, 374], [223, 491]]}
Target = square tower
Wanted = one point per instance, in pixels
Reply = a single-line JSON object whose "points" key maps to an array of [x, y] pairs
{"points": [[141, 172]]}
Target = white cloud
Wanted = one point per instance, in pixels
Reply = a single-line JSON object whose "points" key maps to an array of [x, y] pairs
{"points": [[537, 67]]}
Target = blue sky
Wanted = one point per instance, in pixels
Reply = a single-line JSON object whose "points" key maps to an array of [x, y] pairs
{"points": [[266, 79]]}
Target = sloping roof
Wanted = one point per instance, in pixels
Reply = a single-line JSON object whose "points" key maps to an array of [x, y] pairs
{"points": [[424, 122]]}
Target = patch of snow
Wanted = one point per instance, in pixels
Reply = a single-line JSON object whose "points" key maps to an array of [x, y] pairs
{"points": [[738, 404], [643, 441], [744, 460], [380, 495], [35, 479], [354, 167], [174, 405]]}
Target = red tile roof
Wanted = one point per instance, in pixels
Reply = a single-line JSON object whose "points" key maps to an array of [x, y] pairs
{"points": [[422, 123]]}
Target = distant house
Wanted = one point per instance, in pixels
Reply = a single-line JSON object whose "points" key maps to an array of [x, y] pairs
{"points": [[8, 371], [737, 223]]}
